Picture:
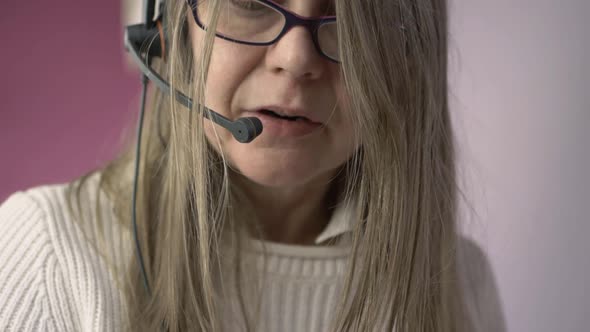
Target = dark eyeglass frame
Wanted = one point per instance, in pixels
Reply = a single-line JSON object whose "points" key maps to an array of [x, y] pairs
{"points": [[312, 24]]}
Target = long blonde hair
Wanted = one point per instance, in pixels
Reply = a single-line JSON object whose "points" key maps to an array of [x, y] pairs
{"points": [[394, 67]]}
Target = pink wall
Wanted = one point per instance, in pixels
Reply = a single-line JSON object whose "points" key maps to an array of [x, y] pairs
{"points": [[65, 92]]}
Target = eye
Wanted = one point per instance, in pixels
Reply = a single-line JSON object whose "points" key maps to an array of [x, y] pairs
{"points": [[248, 5]]}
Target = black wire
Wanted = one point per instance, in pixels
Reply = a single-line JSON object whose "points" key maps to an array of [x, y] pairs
{"points": [[144, 83]]}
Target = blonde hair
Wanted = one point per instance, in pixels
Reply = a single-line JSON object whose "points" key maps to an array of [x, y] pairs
{"points": [[402, 178]]}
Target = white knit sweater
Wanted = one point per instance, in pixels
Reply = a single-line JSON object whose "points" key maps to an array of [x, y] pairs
{"points": [[52, 280]]}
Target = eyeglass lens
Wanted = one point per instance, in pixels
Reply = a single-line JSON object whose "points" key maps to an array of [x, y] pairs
{"points": [[252, 21]]}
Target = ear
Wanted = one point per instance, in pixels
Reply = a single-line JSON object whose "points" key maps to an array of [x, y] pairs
{"points": [[163, 38]]}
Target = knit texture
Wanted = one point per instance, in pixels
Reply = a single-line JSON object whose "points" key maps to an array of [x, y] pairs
{"points": [[51, 278]]}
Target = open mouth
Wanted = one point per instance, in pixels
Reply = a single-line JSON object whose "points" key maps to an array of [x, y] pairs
{"points": [[284, 117], [286, 126]]}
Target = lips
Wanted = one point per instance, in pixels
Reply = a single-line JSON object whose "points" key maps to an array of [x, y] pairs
{"points": [[289, 114], [286, 125], [284, 117]]}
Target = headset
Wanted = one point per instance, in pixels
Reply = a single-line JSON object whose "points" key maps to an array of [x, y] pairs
{"points": [[151, 33]]}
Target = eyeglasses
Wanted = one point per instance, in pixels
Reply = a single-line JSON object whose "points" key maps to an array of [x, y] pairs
{"points": [[264, 22]]}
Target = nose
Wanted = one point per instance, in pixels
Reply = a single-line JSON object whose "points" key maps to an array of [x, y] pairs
{"points": [[296, 54]]}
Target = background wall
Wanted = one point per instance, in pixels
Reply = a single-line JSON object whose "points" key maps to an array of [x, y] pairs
{"points": [[65, 91], [520, 78], [519, 75]]}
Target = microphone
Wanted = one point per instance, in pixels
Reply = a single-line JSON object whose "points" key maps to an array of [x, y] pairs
{"points": [[244, 130]]}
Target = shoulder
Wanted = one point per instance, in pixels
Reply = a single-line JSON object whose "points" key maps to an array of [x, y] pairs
{"points": [[26, 256], [53, 212], [480, 293], [51, 272]]}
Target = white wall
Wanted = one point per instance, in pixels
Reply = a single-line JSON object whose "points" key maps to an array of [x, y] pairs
{"points": [[520, 85]]}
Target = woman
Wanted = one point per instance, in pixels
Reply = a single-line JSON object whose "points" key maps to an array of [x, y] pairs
{"points": [[340, 216]]}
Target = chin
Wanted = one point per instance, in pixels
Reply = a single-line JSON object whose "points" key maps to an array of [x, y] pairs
{"points": [[283, 166], [273, 174]]}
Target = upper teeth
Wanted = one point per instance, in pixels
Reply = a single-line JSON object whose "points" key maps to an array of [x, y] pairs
{"points": [[284, 115], [279, 113]]}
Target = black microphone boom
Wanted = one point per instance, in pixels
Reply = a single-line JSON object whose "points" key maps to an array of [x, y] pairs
{"points": [[244, 130]]}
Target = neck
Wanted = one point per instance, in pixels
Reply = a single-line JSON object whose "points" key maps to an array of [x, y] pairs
{"points": [[292, 215]]}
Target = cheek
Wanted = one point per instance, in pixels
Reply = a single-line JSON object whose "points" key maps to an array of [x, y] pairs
{"points": [[228, 67], [223, 79], [346, 119]]}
